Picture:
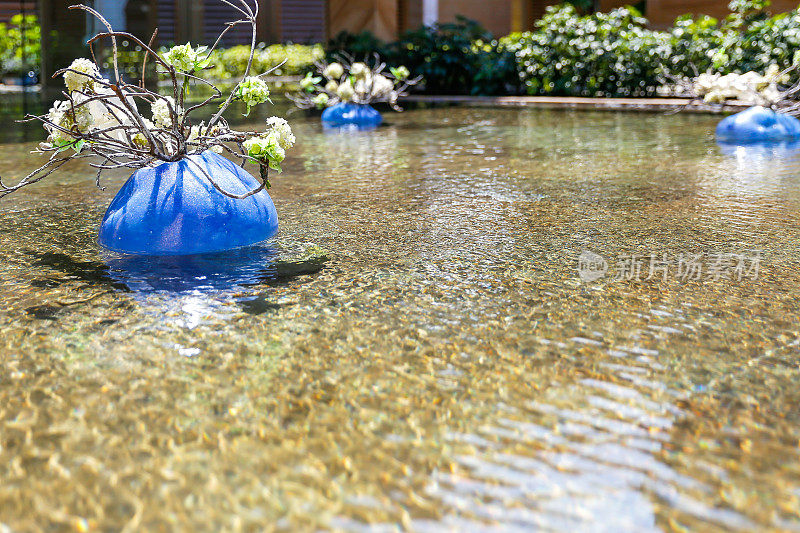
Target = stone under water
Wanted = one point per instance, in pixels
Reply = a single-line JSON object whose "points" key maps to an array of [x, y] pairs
{"points": [[174, 209], [361, 116], [758, 124]]}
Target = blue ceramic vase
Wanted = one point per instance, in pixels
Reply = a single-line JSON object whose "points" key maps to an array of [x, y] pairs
{"points": [[173, 209], [757, 125], [358, 116]]}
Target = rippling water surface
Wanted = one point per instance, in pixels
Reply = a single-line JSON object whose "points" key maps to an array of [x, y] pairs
{"points": [[416, 348]]}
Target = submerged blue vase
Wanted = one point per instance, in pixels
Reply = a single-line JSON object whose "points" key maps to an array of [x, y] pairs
{"points": [[757, 125], [230, 269], [173, 209], [360, 116], [761, 151]]}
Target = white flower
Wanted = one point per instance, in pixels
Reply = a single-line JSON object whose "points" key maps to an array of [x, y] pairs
{"points": [[107, 113], [753, 80], [331, 86], [714, 97], [266, 149], [194, 132], [334, 71], [253, 91], [187, 59], [81, 75], [705, 83], [161, 111], [345, 91], [770, 95], [73, 118], [773, 73], [400, 73], [362, 86], [359, 70], [381, 86], [282, 131], [321, 100]]}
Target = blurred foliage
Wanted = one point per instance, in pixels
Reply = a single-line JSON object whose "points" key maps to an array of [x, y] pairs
{"points": [[359, 45], [603, 54], [456, 57], [614, 54], [599, 54], [226, 63], [748, 39], [129, 60], [232, 62], [20, 45], [453, 58]]}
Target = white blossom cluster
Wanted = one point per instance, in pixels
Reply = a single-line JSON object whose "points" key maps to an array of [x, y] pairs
{"points": [[252, 91], [270, 147], [187, 59], [751, 87], [85, 113], [81, 75], [356, 82], [162, 110], [70, 118]]}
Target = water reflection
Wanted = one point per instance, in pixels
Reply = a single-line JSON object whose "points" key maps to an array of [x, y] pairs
{"points": [[252, 265], [203, 272], [755, 153]]}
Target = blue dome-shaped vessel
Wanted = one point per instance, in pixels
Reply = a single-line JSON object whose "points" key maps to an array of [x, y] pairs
{"points": [[173, 209], [360, 116], [757, 125]]}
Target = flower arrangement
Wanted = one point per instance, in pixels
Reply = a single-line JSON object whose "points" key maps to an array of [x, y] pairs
{"points": [[346, 81], [772, 89], [106, 119]]}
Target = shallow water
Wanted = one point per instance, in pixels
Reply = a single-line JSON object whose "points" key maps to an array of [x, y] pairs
{"points": [[417, 348]]}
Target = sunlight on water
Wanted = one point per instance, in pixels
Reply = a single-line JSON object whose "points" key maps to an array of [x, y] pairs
{"points": [[417, 347]]}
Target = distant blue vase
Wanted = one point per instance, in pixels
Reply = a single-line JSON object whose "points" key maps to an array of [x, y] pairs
{"points": [[358, 116], [173, 209], [758, 124]]}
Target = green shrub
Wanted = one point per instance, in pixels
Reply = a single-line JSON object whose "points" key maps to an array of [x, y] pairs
{"points": [[20, 45], [232, 62], [614, 54], [453, 58], [460, 57], [748, 39], [359, 45], [603, 54]]}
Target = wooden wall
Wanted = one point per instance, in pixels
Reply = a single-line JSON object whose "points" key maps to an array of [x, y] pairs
{"points": [[410, 14], [9, 9], [494, 15], [303, 21], [380, 17]]}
